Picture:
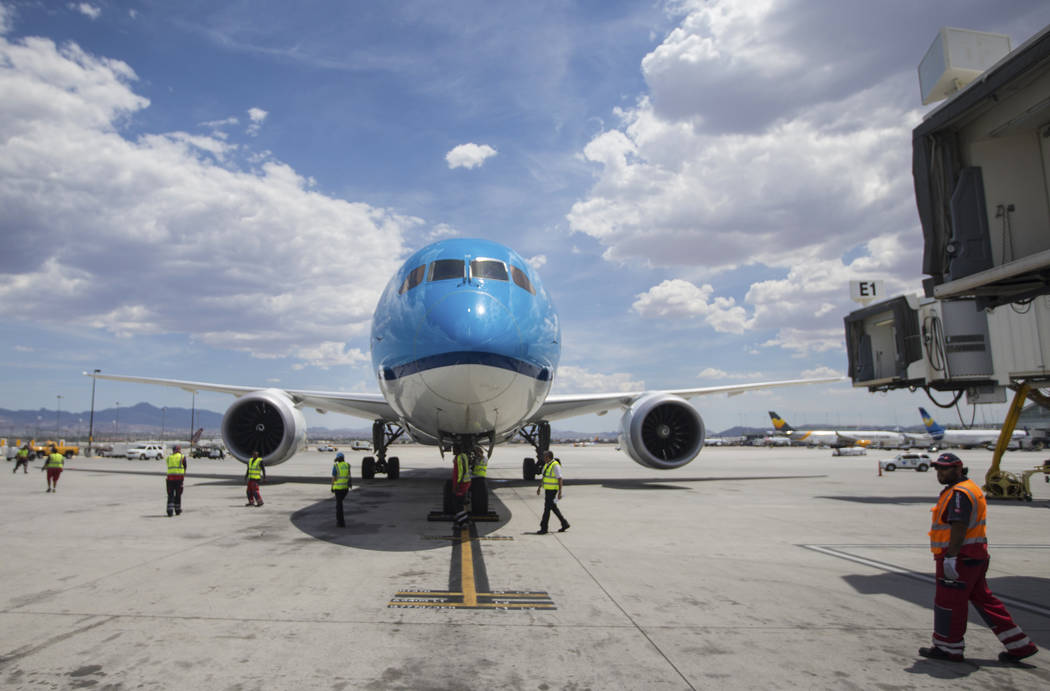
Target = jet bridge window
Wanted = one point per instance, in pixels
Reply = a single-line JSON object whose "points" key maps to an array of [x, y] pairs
{"points": [[488, 268], [414, 278], [521, 279], [444, 269]]}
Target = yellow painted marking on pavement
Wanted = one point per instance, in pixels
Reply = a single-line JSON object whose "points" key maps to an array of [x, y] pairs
{"points": [[470, 595]]}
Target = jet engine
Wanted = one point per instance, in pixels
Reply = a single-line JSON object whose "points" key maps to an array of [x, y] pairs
{"points": [[662, 431], [265, 421]]}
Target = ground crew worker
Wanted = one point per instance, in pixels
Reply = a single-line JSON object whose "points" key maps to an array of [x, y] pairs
{"points": [[551, 484], [22, 459], [53, 466], [253, 475], [176, 474], [460, 487], [340, 486], [960, 551]]}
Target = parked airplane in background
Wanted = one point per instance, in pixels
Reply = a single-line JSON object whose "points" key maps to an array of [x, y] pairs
{"points": [[838, 438], [965, 437], [465, 344]]}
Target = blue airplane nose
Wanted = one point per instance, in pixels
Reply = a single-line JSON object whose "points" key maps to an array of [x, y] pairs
{"points": [[473, 321]]}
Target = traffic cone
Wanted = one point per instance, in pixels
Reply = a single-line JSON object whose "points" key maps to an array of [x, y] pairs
{"points": [[879, 466]]}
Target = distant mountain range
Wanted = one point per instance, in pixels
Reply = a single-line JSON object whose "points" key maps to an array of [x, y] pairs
{"points": [[144, 420]]}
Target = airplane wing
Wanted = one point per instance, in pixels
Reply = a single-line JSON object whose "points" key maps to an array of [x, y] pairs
{"points": [[367, 405], [560, 406]]}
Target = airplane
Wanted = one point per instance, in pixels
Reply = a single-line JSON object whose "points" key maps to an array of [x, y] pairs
{"points": [[966, 438], [465, 344], [838, 438]]}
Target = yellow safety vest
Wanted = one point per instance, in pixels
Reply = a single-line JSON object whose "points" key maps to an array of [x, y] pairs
{"points": [[175, 464], [255, 469], [462, 468], [550, 480], [940, 532], [22, 453], [55, 460], [481, 466], [342, 478]]}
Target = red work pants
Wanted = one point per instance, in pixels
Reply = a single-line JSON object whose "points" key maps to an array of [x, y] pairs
{"points": [[951, 608], [253, 493]]}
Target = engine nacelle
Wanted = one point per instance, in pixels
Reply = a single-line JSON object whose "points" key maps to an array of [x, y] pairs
{"points": [[265, 421], [662, 431]]}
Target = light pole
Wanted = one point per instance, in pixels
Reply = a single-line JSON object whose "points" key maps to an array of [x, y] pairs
{"points": [[116, 423], [58, 412], [91, 421], [163, 414]]}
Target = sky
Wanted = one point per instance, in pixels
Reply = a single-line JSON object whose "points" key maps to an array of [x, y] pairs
{"points": [[220, 191]]}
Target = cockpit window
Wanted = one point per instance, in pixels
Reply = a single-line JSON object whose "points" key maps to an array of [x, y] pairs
{"points": [[414, 278], [488, 268], [444, 269], [520, 279]]}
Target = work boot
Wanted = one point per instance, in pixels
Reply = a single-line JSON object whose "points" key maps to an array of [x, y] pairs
{"points": [[169, 513], [935, 653], [563, 528], [1027, 651]]}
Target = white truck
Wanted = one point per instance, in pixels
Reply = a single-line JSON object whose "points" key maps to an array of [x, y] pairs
{"points": [[148, 450], [918, 462]]}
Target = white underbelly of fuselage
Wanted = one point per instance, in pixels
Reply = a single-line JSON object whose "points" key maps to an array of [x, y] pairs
{"points": [[465, 399]]}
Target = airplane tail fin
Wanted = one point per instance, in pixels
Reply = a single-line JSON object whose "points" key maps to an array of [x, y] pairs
{"points": [[780, 424], [935, 430]]}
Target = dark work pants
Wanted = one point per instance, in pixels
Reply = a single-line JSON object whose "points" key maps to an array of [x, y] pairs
{"points": [[174, 496], [549, 505], [340, 495]]}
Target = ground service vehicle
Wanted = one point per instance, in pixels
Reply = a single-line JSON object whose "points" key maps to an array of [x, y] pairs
{"points": [[919, 462], [144, 451]]}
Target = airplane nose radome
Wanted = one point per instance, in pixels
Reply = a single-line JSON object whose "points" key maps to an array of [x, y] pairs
{"points": [[474, 321]]}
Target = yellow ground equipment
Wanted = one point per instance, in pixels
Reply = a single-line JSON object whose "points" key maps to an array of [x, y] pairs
{"points": [[1003, 485]]}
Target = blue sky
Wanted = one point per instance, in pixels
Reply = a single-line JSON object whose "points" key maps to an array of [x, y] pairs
{"points": [[220, 191]]}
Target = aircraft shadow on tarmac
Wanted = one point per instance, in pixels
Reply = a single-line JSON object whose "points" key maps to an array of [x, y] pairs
{"points": [[932, 498], [920, 594]]}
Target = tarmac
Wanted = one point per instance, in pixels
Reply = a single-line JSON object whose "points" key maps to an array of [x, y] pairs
{"points": [[750, 568]]}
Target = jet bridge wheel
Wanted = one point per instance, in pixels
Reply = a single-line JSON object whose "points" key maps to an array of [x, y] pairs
{"points": [[528, 470], [368, 468]]}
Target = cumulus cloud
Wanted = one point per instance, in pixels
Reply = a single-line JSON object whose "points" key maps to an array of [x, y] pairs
{"points": [[571, 379], [256, 116], [675, 299], [168, 232], [469, 155], [87, 9]]}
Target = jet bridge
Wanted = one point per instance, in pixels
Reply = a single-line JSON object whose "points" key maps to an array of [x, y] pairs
{"points": [[981, 167]]}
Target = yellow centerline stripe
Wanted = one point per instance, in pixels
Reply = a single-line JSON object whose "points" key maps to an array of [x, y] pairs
{"points": [[470, 595]]}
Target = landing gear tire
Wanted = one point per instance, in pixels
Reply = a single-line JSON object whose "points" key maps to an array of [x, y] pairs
{"points": [[479, 496], [393, 468], [448, 502], [528, 470], [368, 468]]}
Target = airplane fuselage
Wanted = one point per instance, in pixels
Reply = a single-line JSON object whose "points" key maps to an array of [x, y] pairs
{"points": [[465, 341]]}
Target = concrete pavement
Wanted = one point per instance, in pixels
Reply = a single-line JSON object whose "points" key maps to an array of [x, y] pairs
{"points": [[749, 568]]}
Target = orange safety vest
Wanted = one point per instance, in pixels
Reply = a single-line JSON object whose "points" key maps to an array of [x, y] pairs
{"points": [[940, 532]]}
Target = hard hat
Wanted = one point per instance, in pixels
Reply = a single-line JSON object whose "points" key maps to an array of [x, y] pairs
{"points": [[339, 456], [947, 460]]}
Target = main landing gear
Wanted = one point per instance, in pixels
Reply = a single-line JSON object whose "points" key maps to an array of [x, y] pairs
{"points": [[383, 435], [539, 435]]}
